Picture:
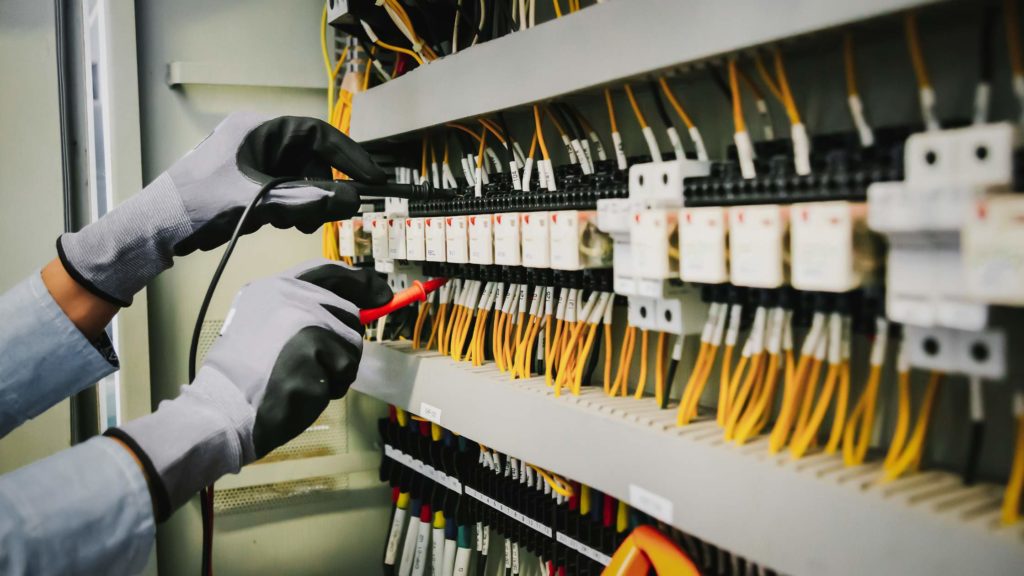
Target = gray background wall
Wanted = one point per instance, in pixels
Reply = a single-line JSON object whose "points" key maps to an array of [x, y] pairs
{"points": [[31, 189]]}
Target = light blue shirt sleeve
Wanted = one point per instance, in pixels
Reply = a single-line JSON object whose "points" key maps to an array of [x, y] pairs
{"points": [[44, 358], [85, 510]]}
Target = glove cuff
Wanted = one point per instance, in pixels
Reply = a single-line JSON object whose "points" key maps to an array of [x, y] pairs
{"points": [[119, 254], [192, 440]]}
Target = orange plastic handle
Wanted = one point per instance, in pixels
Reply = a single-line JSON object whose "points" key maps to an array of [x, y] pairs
{"points": [[415, 293], [655, 549]]}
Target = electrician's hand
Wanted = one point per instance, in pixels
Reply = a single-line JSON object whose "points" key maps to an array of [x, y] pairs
{"points": [[290, 344], [197, 202]]}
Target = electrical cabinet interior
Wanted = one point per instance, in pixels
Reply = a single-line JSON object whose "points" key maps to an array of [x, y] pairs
{"points": [[755, 278]]}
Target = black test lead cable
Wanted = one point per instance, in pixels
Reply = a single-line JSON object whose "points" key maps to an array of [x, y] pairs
{"points": [[424, 192]]}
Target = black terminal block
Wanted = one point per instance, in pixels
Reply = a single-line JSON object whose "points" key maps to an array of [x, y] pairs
{"points": [[841, 170], [575, 191]]}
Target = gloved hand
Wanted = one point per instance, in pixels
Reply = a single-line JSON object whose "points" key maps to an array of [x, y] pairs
{"points": [[290, 344], [197, 202]]}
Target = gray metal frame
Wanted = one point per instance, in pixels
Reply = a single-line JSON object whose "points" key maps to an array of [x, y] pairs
{"points": [[810, 516]]}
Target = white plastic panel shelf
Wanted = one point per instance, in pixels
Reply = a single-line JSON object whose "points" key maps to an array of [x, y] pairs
{"points": [[810, 516], [600, 44]]}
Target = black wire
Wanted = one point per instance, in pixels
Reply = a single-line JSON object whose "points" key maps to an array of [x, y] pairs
{"points": [[592, 361], [659, 105], [581, 118], [987, 40], [975, 438], [508, 133], [559, 110], [206, 495], [567, 111], [723, 86], [673, 365]]}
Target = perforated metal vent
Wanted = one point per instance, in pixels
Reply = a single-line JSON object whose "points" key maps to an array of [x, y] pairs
{"points": [[280, 494], [327, 436]]}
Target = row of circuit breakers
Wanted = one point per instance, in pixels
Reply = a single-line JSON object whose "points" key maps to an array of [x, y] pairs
{"points": [[940, 232]]}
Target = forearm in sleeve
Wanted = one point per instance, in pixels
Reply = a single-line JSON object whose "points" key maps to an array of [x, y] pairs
{"points": [[85, 510], [44, 358]]}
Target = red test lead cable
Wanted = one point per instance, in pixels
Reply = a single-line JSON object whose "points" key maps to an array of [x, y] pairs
{"points": [[416, 293]]}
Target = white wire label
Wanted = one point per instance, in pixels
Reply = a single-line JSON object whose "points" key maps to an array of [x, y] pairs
{"points": [[430, 412], [424, 469], [650, 503], [513, 514], [572, 543]]}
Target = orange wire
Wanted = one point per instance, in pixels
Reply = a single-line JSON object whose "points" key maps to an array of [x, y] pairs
{"points": [[914, 45], [636, 109], [739, 124], [611, 109], [458, 126], [675, 103], [787, 95], [540, 133], [493, 129], [1013, 36]]}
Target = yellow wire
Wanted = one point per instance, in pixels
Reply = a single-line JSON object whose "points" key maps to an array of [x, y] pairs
{"points": [[691, 384], [530, 345], [540, 133], [625, 361], [636, 108], [807, 429], [675, 103], [496, 331], [480, 152], [1012, 495], [611, 109], [738, 122], [462, 128], [914, 46], [400, 50], [588, 345], [659, 370], [723, 384], [549, 358], [749, 83], [437, 325], [327, 60], [366, 74], [910, 459], [792, 393], [558, 9], [849, 64], [559, 485], [902, 420], [493, 129], [862, 419], [760, 404], [418, 326], [787, 95], [642, 379], [762, 71], [839, 415], [810, 393], [423, 161], [607, 358], [742, 393], [701, 383]]}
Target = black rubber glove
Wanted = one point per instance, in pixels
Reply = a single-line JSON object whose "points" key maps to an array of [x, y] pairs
{"points": [[290, 345]]}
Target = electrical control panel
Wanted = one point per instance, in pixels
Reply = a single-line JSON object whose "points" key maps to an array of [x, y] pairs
{"points": [[793, 268]]}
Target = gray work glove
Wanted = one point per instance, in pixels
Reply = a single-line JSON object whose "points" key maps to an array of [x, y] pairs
{"points": [[197, 202], [290, 344]]}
